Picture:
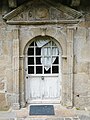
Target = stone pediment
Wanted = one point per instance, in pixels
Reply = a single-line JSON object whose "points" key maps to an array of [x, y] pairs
{"points": [[41, 12]]}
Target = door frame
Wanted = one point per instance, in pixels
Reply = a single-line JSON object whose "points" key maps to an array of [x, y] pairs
{"points": [[64, 38]]}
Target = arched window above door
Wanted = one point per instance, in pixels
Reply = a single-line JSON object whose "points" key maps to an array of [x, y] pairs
{"points": [[43, 57]]}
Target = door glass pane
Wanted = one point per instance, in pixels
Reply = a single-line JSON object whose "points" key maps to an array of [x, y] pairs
{"points": [[30, 51], [53, 44], [38, 51], [38, 60], [30, 60], [47, 70], [32, 44], [55, 60], [54, 51], [38, 69], [46, 51], [30, 69], [55, 69], [43, 56], [46, 60]]}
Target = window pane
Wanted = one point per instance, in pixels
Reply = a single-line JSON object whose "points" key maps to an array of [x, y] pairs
{"points": [[38, 69], [38, 60], [30, 60], [38, 51], [30, 51], [55, 69], [30, 69]]}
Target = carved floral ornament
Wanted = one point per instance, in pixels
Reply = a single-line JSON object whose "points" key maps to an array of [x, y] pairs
{"points": [[42, 13]]}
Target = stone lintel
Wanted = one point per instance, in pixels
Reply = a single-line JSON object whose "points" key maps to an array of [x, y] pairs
{"points": [[46, 22]]}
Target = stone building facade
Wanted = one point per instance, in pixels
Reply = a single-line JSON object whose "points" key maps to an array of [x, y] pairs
{"points": [[57, 28]]}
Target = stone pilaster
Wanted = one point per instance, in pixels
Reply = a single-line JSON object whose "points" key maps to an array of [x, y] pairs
{"points": [[70, 66], [22, 82], [16, 69]]}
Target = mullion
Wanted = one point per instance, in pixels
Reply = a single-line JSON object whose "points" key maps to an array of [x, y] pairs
{"points": [[34, 58], [51, 57]]}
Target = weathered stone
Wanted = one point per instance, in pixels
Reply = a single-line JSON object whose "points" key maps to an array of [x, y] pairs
{"points": [[67, 118], [2, 85], [12, 3], [44, 19], [75, 118], [3, 104], [82, 117]]}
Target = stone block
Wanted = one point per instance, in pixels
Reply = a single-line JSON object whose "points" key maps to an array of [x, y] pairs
{"points": [[82, 67], [81, 83], [67, 118], [10, 99], [7, 48], [1, 51], [81, 31], [9, 76], [64, 66], [3, 104], [2, 71], [2, 85], [80, 102]]}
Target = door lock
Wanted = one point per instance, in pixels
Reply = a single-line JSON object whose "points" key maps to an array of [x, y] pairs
{"points": [[27, 77], [42, 77]]}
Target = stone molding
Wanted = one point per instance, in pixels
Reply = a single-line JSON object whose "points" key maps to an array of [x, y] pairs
{"points": [[45, 22], [15, 33], [46, 12]]}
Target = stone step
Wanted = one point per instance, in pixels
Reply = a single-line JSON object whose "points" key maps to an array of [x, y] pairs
{"points": [[7, 116], [61, 118]]}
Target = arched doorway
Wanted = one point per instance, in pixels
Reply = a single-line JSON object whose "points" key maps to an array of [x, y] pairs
{"points": [[43, 71]]}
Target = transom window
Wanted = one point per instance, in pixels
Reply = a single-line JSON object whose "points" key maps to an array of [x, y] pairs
{"points": [[43, 57]]}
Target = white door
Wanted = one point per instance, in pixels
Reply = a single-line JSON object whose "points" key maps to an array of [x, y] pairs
{"points": [[43, 78]]}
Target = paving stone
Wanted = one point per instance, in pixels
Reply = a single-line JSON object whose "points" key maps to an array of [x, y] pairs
{"points": [[7, 118], [75, 119], [38, 119], [59, 119], [56, 119], [67, 118], [82, 117]]}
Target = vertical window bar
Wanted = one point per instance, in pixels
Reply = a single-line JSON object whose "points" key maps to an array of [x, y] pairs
{"points": [[51, 57]]}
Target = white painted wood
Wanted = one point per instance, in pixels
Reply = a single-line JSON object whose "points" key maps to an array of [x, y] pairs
{"points": [[43, 88]]}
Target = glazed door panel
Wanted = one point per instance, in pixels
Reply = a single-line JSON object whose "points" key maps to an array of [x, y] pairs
{"points": [[43, 72]]}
